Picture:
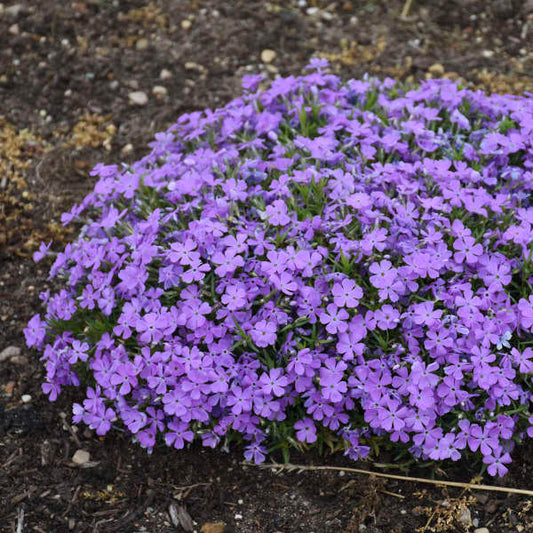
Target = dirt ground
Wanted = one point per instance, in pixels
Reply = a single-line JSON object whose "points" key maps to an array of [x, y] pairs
{"points": [[92, 81]]}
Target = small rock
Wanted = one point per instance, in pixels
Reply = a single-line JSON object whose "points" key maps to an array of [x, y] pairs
{"points": [[165, 74], [138, 98], [481, 530], [26, 398], [185, 519], [14, 29], [173, 512], [186, 24], [9, 352], [487, 53], [159, 91], [436, 69], [142, 44], [267, 56], [14, 11], [191, 65], [9, 388], [128, 149], [213, 527], [465, 517], [238, 517], [81, 457], [71, 524], [19, 360]]}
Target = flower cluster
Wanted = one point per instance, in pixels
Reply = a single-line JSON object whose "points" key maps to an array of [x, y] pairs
{"points": [[315, 263]]}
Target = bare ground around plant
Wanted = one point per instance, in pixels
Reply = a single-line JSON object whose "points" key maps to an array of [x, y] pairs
{"points": [[92, 81]]}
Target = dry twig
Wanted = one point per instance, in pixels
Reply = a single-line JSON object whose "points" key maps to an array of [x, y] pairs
{"points": [[438, 483]]}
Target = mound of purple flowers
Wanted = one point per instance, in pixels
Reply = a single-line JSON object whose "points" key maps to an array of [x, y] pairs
{"points": [[316, 263]]}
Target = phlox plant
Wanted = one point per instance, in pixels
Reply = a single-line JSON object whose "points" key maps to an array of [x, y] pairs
{"points": [[317, 263]]}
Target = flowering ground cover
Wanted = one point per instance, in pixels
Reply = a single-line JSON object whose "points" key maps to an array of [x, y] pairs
{"points": [[316, 264]]}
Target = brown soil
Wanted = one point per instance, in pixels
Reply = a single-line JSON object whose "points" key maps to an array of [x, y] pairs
{"points": [[66, 72]]}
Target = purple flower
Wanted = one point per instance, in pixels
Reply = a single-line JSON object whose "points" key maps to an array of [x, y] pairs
{"points": [[178, 433], [305, 430], [276, 213], [383, 274], [273, 382], [346, 293], [35, 331], [497, 463], [334, 319], [264, 333], [125, 375], [228, 262]]}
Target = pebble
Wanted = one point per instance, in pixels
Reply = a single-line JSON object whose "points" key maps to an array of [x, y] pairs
{"points": [[186, 24], [9, 352], [436, 69], [14, 29], [213, 527], [14, 10], [19, 360], [465, 517], [26, 398], [487, 53], [142, 44], [127, 149], [481, 530], [191, 65], [159, 91], [267, 56], [81, 457], [165, 74], [238, 516], [138, 98]]}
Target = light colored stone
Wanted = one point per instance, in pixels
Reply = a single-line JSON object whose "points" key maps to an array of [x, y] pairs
{"points": [[26, 398], [465, 517], [14, 10], [128, 149], [186, 24], [9, 353], [14, 29], [142, 44], [138, 98], [81, 457], [436, 69], [267, 56], [159, 91], [487, 53], [191, 65], [481, 530], [165, 74], [213, 527]]}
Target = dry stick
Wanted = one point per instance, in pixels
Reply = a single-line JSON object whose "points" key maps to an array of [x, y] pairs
{"points": [[508, 490], [406, 9]]}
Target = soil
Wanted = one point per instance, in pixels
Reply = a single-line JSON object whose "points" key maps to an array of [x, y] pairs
{"points": [[67, 74]]}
